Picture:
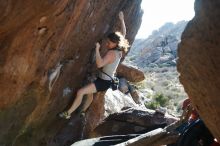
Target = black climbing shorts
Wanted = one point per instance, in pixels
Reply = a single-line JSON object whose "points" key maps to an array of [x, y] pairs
{"points": [[102, 85]]}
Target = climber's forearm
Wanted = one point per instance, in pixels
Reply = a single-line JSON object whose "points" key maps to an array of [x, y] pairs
{"points": [[99, 59]]}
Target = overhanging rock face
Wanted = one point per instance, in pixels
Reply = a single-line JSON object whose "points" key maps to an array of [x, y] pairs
{"points": [[199, 62], [45, 53]]}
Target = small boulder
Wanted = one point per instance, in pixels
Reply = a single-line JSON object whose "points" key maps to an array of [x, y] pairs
{"points": [[130, 73]]}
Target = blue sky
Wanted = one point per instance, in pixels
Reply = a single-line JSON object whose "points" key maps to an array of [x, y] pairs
{"points": [[158, 12]]}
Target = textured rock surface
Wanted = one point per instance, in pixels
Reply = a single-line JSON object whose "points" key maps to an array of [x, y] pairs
{"points": [[42, 39], [115, 101], [199, 62], [130, 73], [132, 121]]}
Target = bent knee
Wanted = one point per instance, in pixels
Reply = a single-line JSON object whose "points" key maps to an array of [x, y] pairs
{"points": [[80, 92], [90, 96]]}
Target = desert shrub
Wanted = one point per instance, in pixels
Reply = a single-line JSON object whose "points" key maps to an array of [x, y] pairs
{"points": [[161, 99], [157, 100], [162, 80], [132, 58], [165, 83], [152, 105]]}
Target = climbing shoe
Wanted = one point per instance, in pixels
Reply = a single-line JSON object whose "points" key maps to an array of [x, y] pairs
{"points": [[64, 115], [82, 114]]}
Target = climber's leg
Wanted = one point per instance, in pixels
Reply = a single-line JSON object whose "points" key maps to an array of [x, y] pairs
{"points": [[88, 89], [89, 99]]}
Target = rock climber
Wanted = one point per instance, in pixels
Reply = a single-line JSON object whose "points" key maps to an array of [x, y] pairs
{"points": [[116, 44]]}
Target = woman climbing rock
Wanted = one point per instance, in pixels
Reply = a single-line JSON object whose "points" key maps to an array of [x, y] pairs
{"points": [[116, 43]]}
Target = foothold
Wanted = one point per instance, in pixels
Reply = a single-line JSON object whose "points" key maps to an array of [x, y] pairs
{"points": [[70, 124], [77, 56], [43, 80], [42, 30], [43, 19], [67, 91], [91, 14], [93, 28]]}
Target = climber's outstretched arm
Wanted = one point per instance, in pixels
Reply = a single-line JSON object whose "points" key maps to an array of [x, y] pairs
{"points": [[123, 27]]}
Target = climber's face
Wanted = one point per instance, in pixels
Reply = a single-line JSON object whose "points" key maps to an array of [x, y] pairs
{"points": [[110, 44]]}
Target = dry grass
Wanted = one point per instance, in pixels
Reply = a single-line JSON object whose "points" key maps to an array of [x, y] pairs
{"points": [[163, 81]]}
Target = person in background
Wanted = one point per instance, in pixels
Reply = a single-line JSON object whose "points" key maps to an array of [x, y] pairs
{"points": [[189, 113]]}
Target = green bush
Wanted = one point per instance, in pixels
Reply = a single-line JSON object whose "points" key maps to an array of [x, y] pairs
{"points": [[132, 58], [157, 101], [152, 105], [161, 99]]}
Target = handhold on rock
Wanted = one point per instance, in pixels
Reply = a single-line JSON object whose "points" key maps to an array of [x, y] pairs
{"points": [[43, 19], [54, 76], [42, 30]]}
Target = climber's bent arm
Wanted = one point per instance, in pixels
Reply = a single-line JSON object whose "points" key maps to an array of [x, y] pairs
{"points": [[107, 59]]}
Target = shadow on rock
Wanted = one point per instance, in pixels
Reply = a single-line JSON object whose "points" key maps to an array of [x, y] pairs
{"points": [[71, 132]]}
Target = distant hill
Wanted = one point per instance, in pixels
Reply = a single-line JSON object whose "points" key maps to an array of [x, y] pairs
{"points": [[156, 56], [159, 49]]}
